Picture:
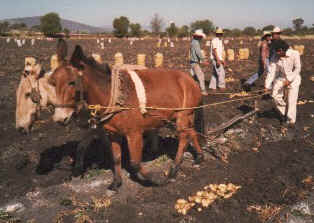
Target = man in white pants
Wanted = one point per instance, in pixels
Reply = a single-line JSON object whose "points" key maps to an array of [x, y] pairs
{"points": [[287, 63], [216, 55]]}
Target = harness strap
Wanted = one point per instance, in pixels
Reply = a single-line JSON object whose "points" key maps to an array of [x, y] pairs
{"points": [[140, 90]]}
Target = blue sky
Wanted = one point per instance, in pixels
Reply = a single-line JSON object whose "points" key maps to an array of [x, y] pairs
{"points": [[224, 13]]}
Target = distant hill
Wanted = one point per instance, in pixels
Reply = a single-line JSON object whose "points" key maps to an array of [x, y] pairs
{"points": [[71, 25]]}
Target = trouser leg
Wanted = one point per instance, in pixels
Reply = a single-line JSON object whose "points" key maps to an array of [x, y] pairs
{"points": [[278, 95], [217, 76], [214, 77], [192, 72], [252, 79], [257, 75], [271, 74], [200, 75], [221, 77], [293, 92]]}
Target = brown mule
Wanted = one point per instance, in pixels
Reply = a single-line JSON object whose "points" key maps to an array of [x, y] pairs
{"points": [[164, 88]]}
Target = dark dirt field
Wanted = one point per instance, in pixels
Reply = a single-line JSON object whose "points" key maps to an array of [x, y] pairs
{"points": [[273, 170]]}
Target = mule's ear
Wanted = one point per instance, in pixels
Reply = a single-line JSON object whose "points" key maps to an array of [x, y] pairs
{"points": [[77, 57], [62, 50], [107, 69]]}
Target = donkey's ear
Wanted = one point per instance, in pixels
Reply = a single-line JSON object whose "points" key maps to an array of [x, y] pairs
{"points": [[62, 50], [107, 69], [77, 57]]}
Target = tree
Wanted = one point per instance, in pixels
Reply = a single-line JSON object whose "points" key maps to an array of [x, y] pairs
{"points": [[66, 32], [259, 32], [121, 26], [156, 24], [18, 26], [206, 25], [297, 23], [268, 28], [35, 28], [50, 24], [249, 31], [146, 32], [227, 32], [183, 31], [236, 32], [172, 30], [312, 29], [4, 27], [304, 30], [135, 30], [287, 31]]}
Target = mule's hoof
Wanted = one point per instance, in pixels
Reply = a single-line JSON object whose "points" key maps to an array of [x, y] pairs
{"points": [[114, 186], [199, 158]]}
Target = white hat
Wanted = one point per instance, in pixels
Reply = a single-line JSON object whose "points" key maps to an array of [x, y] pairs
{"points": [[276, 30], [199, 32], [219, 30]]}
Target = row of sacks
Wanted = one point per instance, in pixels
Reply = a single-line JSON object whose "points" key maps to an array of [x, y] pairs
{"points": [[141, 58], [171, 44], [159, 58], [118, 60], [244, 53]]}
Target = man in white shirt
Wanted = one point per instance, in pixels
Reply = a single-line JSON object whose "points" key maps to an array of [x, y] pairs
{"points": [[216, 55], [286, 63]]}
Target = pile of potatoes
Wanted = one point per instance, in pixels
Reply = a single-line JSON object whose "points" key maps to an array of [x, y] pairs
{"points": [[206, 197], [241, 94]]}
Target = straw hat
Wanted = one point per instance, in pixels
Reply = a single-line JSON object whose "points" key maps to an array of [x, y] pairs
{"points": [[199, 32], [265, 33], [276, 30], [219, 31]]}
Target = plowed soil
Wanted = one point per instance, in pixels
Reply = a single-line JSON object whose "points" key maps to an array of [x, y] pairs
{"points": [[271, 167]]}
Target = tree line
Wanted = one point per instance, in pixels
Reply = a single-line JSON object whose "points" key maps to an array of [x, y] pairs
{"points": [[50, 25], [124, 28]]}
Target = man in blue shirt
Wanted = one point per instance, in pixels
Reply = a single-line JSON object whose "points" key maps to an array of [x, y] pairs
{"points": [[197, 58]]}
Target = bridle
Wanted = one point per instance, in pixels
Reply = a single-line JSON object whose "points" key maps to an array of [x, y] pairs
{"points": [[34, 94]]}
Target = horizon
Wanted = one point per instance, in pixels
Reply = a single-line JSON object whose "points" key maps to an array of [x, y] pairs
{"points": [[182, 12]]}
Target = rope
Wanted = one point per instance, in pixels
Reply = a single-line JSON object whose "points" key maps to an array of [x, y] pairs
{"points": [[227, 93], [98, 107]]}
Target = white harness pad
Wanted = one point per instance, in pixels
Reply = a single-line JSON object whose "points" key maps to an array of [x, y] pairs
{"points": [[140, 90]]}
